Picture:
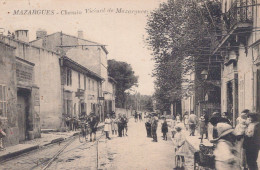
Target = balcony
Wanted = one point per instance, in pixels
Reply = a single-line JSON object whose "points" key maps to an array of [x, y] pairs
{"points": [[241, 12]]}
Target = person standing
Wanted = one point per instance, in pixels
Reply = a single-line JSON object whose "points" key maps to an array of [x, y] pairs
{"points": [[206, 117], [226, 155], [136, 116], [239, 132], [148, 126], [178, 118], [186, 120], [181, 148], [120, 125], [125, 121], [203, 127], [214, 120], [192, 123], [114, 125], [164, 129], [154, 128], [93, 123], [107, 127], [252, 141]]}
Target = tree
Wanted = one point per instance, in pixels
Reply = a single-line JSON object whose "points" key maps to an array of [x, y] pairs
{"points": [[125, 77], [180, 34]]}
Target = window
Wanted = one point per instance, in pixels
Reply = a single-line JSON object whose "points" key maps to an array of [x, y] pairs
{"points": [[3, 103], [69, 77], [85, 83], [93, 85], [79, 79], [89, 84]]}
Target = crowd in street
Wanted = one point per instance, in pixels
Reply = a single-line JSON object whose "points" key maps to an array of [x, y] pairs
{"points": [[236, 146]]}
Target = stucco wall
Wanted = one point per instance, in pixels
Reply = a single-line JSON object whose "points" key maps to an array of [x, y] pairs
{"points": [[47, 78], [8, 79]]}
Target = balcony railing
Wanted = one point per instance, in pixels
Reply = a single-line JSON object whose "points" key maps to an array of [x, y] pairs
{"points": [[241, 11]]}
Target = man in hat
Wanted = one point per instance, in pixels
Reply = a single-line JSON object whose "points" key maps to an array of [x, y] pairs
{"points": [[93, 123], [226, 155]]}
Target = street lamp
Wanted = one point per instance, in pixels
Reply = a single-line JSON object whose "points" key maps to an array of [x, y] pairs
{"points": [[204, 74]]}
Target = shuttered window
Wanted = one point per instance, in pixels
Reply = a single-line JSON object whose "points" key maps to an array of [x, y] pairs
{"points": [[3, 103]]}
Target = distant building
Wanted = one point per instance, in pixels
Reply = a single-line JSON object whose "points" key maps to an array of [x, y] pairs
{"points": [[89, 54]]}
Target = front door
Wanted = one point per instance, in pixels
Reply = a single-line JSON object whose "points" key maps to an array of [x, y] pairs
{"points": [[22, 116]]}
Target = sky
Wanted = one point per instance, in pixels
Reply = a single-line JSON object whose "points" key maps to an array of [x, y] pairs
{"points": [[101, 21]]}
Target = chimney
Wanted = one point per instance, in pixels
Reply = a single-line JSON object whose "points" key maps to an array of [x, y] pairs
{"points": [[80, 34], [22, 35], [40, 33]]}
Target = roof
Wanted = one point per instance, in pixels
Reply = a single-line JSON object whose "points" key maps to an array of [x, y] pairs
{"points": [[78, 67], [4, 43], [102, 45], [28, 44]]}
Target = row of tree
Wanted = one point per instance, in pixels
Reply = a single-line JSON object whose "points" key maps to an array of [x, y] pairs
{"points": [[180, 34]]}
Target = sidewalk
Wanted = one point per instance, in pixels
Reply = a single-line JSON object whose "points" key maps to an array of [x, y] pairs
{"points": [[27, 146], [47, 138]]}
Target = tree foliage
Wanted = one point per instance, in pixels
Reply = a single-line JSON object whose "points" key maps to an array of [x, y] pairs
{"points": [[125, 77], [179, 34]]}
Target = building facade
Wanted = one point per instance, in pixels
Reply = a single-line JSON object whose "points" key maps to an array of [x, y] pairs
{"points": [[239, 48], [81, 89], [91, 55]]}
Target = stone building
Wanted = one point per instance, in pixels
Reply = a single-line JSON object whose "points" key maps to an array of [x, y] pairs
{"points": [[19, 97], [38, 81], [240, 49]]}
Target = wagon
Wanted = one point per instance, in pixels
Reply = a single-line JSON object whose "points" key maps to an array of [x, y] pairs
{"points": [[204, 158]]}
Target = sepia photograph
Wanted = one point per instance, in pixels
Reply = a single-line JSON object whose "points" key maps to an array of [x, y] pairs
{"points": [[129, 85]]}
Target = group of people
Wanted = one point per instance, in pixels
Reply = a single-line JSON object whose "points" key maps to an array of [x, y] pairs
{"points": [[71, 123], [235, 148], [138, 116], [151, 125], [116, 124]]}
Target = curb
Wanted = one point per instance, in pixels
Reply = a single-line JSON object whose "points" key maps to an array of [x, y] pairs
{"points": [[17, 153]]}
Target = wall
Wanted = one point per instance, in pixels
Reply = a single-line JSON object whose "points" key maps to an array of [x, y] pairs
{"points": [[47, 78], [8, 78]]}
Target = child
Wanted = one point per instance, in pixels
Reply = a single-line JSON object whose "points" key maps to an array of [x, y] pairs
{"points": [[180, 147], [2, 135], [164, 129], [202, 128]]}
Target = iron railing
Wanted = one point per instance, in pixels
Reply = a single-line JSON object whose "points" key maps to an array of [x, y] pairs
{"points": [[241, 11]]}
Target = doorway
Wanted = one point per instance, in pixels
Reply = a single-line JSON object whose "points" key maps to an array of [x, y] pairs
{"points": [[23, 109]]}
